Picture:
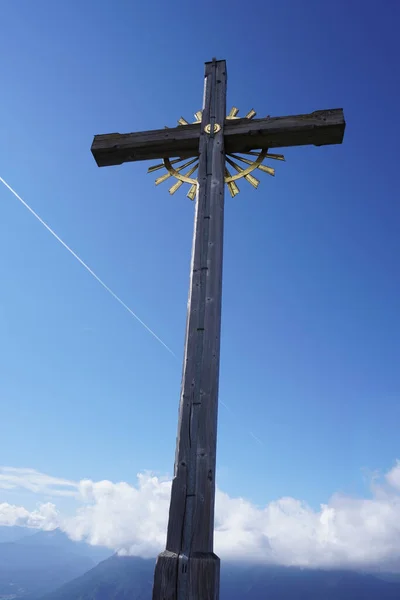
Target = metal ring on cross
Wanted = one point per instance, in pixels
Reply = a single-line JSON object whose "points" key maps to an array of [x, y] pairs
{"points": [[176, 166]]}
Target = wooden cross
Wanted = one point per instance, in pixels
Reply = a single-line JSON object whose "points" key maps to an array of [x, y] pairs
{"points": [[188, 569]]}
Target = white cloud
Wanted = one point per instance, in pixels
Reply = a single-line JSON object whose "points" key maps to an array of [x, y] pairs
{"points": [[45, 517], [123, 517], [34, 481], [393, 477], [346, 532]]}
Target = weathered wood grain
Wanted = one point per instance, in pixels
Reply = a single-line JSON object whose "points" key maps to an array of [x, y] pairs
{"points": [[166, 576], [195, 574], [322, 127]]}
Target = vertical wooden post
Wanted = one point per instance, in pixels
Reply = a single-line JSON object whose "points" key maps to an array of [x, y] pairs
{"points": [[188, 569]]}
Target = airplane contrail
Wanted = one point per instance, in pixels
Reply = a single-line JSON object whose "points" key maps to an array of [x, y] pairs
{"points": [[253, 435], [92, 273], [105, 286]]}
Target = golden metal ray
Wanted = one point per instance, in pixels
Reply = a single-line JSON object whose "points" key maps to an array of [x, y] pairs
{"points": [[162, 165], [267, 155], [198, 116], [232, 186], [252, 180], [175, 187], [252, 113], [169, 174], [249, 169], [175, 172], [180, 182], [187, 163], [192, 191], [162, 178], [182, 121], [233, 189], [232, 113], [263, 168], [266, 169]]}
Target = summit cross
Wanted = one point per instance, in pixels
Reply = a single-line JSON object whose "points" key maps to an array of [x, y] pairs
{"points": [[188, 569]]}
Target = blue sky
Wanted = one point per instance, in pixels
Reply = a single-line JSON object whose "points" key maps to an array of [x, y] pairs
{"points": [[311, 333]]}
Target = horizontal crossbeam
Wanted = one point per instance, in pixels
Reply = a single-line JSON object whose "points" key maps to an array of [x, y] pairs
{"points": [[319, 128]]}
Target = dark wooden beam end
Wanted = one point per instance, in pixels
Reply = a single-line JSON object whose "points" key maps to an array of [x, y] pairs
{"points": [[320, 128], [116, 148]]}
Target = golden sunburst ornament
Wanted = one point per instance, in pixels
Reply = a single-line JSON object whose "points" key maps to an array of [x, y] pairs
{"points": [[175, 168]]}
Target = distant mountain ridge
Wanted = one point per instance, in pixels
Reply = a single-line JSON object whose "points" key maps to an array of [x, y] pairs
{"points": [[130, 578], [50, 566], [39, 562], [12, 533], [60, 540]]}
